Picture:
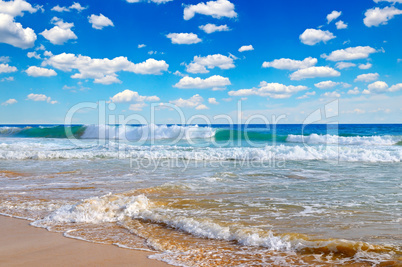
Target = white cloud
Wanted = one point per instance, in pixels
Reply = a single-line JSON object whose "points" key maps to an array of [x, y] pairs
{"points": [[366, 66], [290, 64], [377, 16], [210, 28], [378, 87], [141, 45], [369, 77], [183, 38], [149, 1], [351, 53], [344, 65], [60, 33], [326, 84], [215, 82], [216, 9], [40, 72], [40, 97], [313, 36], [201, 107], [5, 68], [246, 48], [33, 55], [213, 101], [4, 59], [273, 90], [334, 94], [390, 1], [7, 79], [314, 72], [99, 22], [382, 87], [341, 25], [137, 106], [107, 79], [306, 95], [103, 70], [200, 64], [333, 16], [193, 102], [128, 96], [9, 102], [354, 91], [14, 34], [16, 7], [75, 5]]}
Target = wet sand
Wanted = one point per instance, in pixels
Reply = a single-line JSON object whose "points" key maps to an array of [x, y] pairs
{"points": [[22, 244]]}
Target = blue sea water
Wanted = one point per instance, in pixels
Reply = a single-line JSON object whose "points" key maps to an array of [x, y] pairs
{"points": [[214, 195]]}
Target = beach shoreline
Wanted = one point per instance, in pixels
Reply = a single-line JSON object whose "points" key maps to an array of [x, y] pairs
{"points": [[22, 244]]}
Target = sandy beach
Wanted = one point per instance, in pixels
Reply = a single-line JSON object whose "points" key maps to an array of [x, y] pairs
{"points": [[24, 245]]}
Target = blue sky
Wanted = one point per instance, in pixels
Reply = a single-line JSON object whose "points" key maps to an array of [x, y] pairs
{"points": [[276, 57]]}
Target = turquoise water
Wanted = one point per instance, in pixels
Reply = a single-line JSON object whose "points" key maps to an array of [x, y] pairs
{"points": [[214, 195]]}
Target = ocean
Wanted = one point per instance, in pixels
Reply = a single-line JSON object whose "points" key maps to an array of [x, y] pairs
{"points": [[213, 195]]}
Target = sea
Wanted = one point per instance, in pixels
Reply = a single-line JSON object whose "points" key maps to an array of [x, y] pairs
{"points": [[213, 195]]}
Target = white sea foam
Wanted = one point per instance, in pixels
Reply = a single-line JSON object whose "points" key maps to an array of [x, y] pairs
{"points": [[147, 132], [386, 140], [45, 151]]}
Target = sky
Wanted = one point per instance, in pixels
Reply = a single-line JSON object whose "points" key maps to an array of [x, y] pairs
{"points": [[140, 58]]}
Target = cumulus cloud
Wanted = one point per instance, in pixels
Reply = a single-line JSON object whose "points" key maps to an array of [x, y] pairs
{"points": [[141, 45], [4, 59], [214, 82], [41, 97], [246, 48], [326, 84], [351, 53], [149, 1], [272, 90], [103, 70], [9, 102], [354, 91], [210, 28], [377, 16], [75, 6], [390, 1], [193, 102], [344, 65], [201, 107], [99, 22], [379, 87], [313, 36], [16, 7], [334, 94], [290, 64], [33, 55], [216, 9], [314, 72], [306, 95], [128, 96], [200, 64], [340, 25], [333, 16], [183, 38], [369, 77], [5, 68], [13, 33], [40, 72], [60, 33], [213, 101], [366, 66]]}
